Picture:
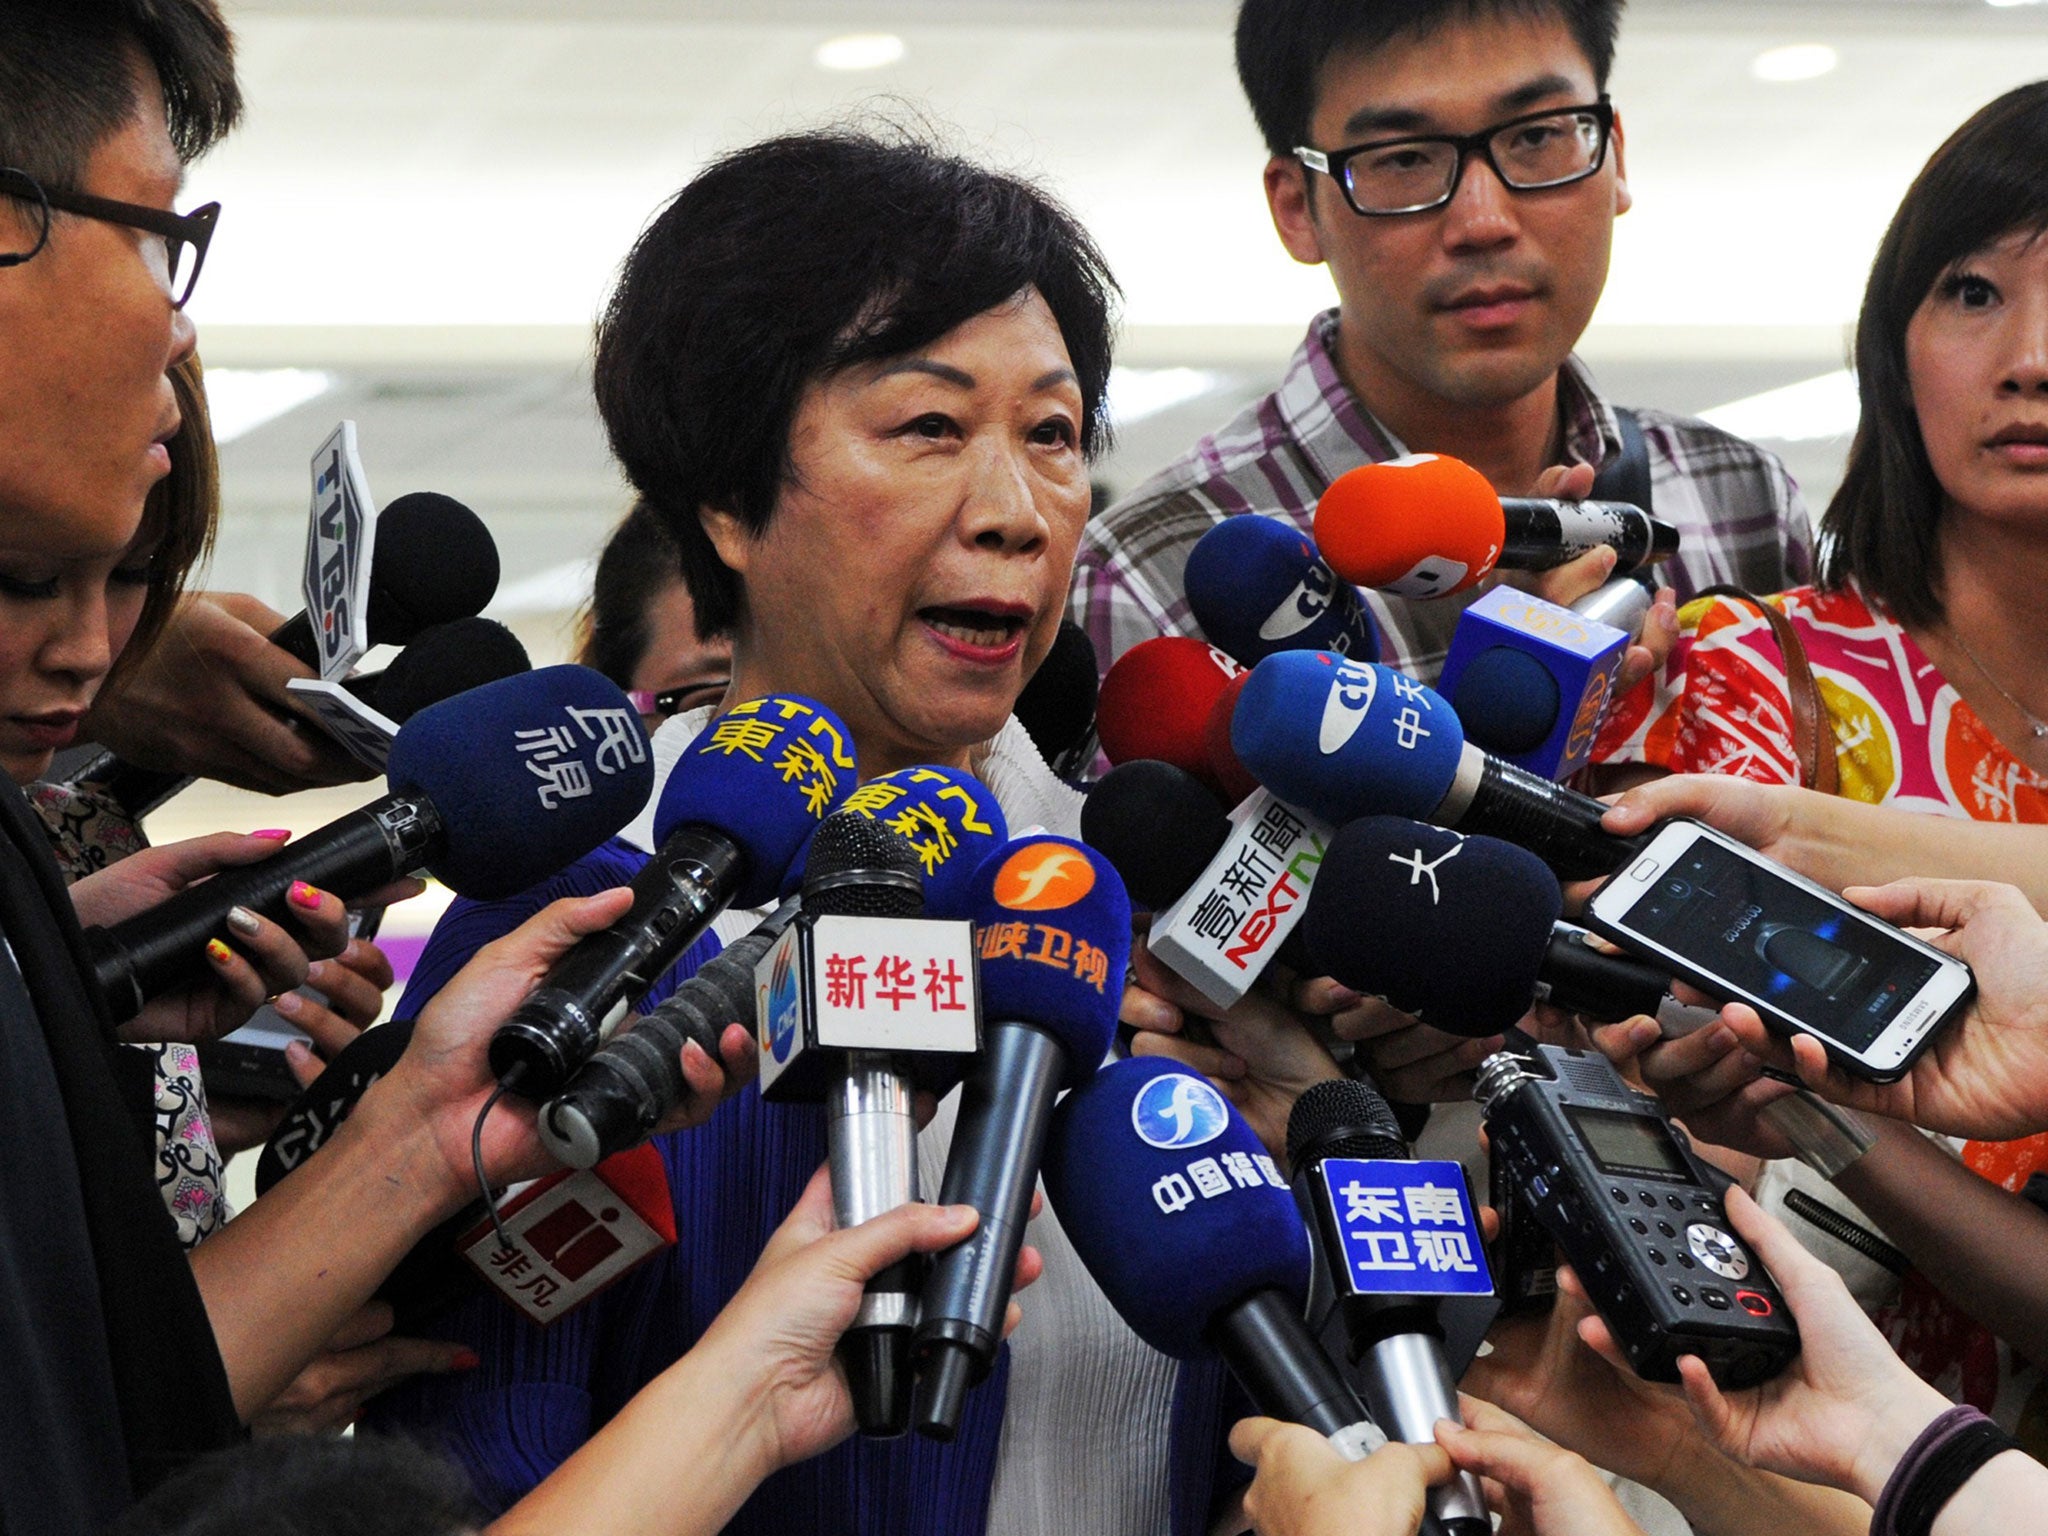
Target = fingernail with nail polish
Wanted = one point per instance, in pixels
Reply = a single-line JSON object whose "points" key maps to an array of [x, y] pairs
{"points": [[303, 895], [218, 952], [273, 834], [244, 922], [465, 1360]]}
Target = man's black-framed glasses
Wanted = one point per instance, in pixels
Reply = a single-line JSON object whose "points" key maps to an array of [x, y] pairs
{"points": [[1552, 148], [185, 235]]}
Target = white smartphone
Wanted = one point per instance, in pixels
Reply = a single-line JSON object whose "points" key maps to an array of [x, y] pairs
{"points": [[1742, 928]]}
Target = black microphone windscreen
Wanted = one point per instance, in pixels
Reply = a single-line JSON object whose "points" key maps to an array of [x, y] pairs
{"points": [[433, 560], [1057, 707], [1342, 1118], [858, 867], [1157, 824], [1451, 929], [444, 660]]}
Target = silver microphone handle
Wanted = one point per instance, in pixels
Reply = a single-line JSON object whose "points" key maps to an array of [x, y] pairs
{"points": [[1408, 1388], [871, 1140]]}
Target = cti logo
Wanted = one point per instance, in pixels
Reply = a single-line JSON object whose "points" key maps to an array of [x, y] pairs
{"points": [[1309, 600], [1176, 1111], [1043, 878], [1350, 701]]}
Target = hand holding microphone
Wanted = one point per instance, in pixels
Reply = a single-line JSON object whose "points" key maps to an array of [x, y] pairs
{"points": [[491, 791]]}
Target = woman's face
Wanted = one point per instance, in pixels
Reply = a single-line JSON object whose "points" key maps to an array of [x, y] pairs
{"points": [[1977, 360], [65, 615], [679, 670], [916, 566]]}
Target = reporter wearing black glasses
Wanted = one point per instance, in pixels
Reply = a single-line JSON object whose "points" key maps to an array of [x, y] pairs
{"points": [[1458, 168]]}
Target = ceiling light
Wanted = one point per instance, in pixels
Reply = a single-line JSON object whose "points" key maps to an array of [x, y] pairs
{"points": [[1795, 61], [859, 50], [2004, 3], [239, 400], [1826, 406], [1136, 393]]}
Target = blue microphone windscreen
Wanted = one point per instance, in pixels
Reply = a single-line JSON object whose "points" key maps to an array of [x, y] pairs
{"points": [[1343, 739], [949, 817], [529, 774], [1451, 929], [1507, 701], [765, 774], [1257, 585], [1171, 1201], [1052, 927]]}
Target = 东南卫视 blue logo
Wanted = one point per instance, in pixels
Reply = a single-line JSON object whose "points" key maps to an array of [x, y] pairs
{"points": [[1177, 1110]]}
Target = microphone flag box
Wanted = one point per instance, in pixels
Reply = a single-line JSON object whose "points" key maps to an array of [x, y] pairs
{"points": [[1242, 907], [574, 1233], [906, 986], [1582, 656], [1404, 1227], [338, 548], [363, 731]]}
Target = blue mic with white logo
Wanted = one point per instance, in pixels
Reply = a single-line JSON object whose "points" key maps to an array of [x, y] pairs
{"points": [[491, 791], [1257, 585], [1053, 937], [733, 812], [1400, 1239], [1345, 739], [1188, 1227]]}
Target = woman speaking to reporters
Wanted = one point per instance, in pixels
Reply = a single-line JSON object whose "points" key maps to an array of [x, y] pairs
{"points": [[861, 380]]}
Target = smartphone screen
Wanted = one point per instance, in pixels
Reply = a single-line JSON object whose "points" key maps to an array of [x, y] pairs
{"points": [[1736, 925], [1841, 977]]}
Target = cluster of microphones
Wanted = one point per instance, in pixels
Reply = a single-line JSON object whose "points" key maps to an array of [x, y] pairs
{"points": [[1276, 793]]}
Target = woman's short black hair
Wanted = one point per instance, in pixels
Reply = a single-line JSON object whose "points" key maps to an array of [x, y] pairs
{"points": [[790, 260], [1989, 181], [1282, 46], [638, 564]]}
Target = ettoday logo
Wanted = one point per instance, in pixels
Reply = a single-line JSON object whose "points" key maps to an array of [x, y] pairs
{"points": [[1043, 878]]}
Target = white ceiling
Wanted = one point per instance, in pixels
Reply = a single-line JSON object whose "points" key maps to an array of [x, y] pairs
{"points": [[430, 197]]}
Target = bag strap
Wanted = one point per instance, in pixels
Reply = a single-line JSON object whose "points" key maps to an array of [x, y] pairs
{"points": [[1626, 476], [1811, 726]]}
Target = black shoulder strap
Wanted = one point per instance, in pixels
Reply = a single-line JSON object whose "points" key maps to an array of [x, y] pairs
{"points": [[1626, 476]]}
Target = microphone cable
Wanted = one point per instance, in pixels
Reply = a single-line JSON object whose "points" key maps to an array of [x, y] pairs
{"points": [[476, 1153]]}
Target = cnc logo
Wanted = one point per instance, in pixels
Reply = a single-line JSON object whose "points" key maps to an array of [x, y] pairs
{"points": [[1176, 1110], [1043, 878], [778, 1018], [1350, 701]]}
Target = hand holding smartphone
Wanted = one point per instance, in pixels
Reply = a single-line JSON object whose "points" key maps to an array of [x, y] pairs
{"points": [[1743, 928]]}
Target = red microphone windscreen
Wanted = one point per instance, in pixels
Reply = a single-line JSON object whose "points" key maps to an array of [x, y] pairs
{"points": [[1236, 779], [1421, 526], [1156, 700]]}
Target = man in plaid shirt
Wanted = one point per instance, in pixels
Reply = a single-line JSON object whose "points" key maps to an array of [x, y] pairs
{"points": [[1456, 314], [1458, 167]]}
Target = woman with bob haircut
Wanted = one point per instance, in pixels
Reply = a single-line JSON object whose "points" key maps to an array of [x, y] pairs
{"points": [[1927, 638], [860, 380]]}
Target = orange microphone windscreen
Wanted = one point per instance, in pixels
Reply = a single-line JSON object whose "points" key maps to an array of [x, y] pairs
{"points": [[1156, 700], [1421, 526]]}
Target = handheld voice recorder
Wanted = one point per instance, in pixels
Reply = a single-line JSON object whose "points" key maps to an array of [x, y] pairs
{"points": [[1638, 1216]]}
